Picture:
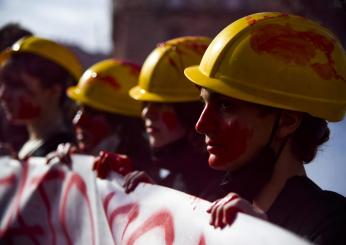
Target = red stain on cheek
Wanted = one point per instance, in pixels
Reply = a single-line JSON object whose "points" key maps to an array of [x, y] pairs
{"points": [[169, 119], [96, 127], [236, 136], [297, 47], [27, 109]]}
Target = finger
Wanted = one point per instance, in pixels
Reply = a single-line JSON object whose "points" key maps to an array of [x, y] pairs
{"points": [[229, 214], [213, 213], [127, 180], [212, 205], [216, 210], [133, 182]]}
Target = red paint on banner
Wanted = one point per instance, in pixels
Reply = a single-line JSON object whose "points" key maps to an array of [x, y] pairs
{"points": [[170, 119], [297, 47], [202, 240], [77, 181], [8, 180], [107, 200], [30, 231], [162, 219], [131, 210], [52, 175], [26, 109]]}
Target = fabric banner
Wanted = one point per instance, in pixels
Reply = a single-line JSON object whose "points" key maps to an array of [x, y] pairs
{"points": [[54, 204]]}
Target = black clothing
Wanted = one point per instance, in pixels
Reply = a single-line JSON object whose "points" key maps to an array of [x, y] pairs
{"points": [[259, 171], [52, 143], [187, 168], [309, 211]]}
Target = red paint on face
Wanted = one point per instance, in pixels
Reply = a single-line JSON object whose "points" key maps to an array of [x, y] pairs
{"points": [[230, 144], [169, 119], [297, 47], [90, 130], [27, 109]]}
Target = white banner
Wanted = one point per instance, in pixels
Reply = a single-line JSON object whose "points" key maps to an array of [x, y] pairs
{"points": [[52, 204]]}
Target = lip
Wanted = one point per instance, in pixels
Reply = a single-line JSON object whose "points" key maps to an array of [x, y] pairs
{"points": [[213, 147], [151, 129]]}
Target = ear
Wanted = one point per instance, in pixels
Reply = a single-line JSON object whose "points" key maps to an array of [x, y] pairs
{"points": [[289, 122]]}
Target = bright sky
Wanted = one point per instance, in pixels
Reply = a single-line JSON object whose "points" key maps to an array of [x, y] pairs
{"points": [[82, 22], [87, 23]]}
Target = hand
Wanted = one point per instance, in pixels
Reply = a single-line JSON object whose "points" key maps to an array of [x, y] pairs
{"points": [[224, 211], [132, 180], [108, 161], [63, 154]]}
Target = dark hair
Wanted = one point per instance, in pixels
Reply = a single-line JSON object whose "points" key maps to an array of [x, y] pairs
{"points": [[188, 114], [10, 33], [311, 134], [47, 72], [133, 138]]}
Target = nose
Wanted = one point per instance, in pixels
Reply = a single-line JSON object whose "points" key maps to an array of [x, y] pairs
{"points": [[149, 111], [205, 123]]}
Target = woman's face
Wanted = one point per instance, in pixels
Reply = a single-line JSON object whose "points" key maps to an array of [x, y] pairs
{"points": [[235, 131], [162, 124], [23, 98], [91, 127]]}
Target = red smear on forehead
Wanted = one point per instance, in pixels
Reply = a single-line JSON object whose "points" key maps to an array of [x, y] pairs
{"points": [[236, 136], [297, 47], [26, 109], [170, 119], [96, 127]]}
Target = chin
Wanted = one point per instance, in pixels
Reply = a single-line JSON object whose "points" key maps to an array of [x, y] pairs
{"points": [[217, 163]]}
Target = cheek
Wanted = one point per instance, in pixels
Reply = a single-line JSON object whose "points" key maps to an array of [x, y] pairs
{"points": [[96, 127], [235, 138], [27, 109], [169, 119]]}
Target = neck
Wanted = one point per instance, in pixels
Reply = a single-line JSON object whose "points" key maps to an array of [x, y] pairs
{"points": [[46, 125], [286, 167]]}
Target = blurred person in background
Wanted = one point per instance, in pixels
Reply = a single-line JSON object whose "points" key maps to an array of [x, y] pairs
{"points": [[107, 120], [34, 75], [12, 137], [270, 82], [170, 108]]}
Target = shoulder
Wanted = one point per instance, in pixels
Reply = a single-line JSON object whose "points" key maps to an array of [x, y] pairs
{"points": [[309, 211]]}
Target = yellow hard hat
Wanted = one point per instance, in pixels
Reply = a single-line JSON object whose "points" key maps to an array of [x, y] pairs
{"points": [[105, 86], [162, 76], [279, 60], [46, 49]]}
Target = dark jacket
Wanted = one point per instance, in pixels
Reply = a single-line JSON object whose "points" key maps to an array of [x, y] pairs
{"points": [[309, 211]]}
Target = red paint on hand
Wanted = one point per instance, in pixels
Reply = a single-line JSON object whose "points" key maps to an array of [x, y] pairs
{"points": [[108, 161]]}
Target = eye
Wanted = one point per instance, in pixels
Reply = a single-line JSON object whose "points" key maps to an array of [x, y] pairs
{"points": [[225, 105]]}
